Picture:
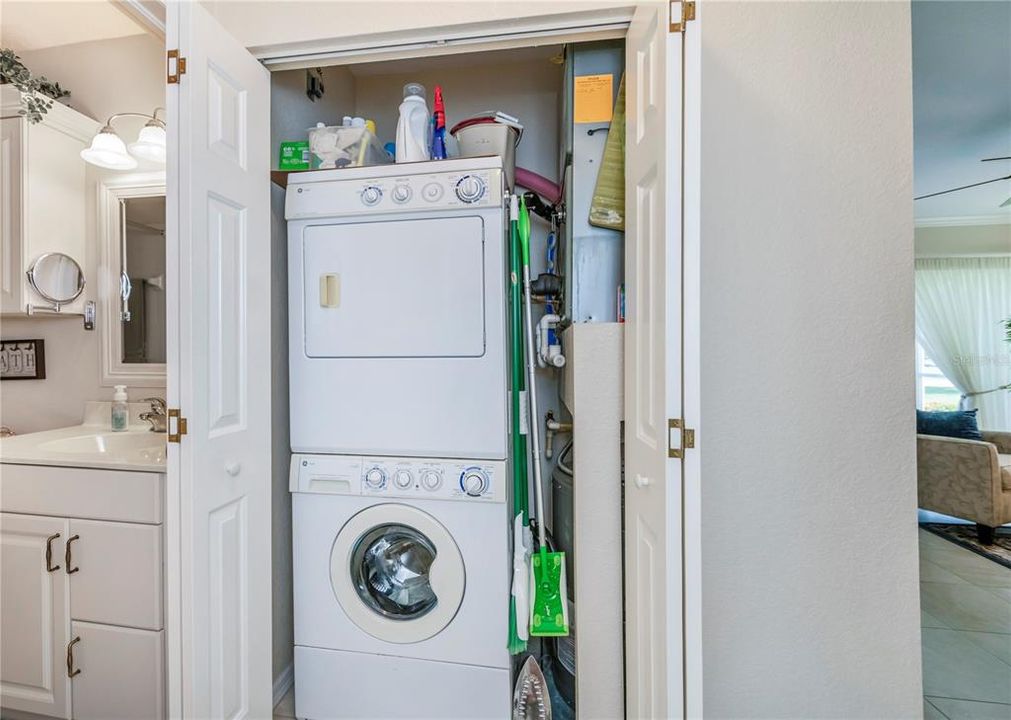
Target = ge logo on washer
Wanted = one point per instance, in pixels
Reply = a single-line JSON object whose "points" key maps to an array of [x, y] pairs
{"points": [[397, 573]]}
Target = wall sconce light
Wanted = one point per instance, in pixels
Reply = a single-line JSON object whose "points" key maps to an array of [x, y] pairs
{"points": [[108, 150]]}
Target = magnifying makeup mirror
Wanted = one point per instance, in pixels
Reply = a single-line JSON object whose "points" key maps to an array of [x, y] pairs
{"points": [[57, 278]]}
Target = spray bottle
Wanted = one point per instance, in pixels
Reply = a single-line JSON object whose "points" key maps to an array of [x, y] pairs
{"points": [[439, 131]]}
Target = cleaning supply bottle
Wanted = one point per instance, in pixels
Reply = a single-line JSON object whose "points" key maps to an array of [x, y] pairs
{"points": [[412, 128], [120, 409], [439, 128]]}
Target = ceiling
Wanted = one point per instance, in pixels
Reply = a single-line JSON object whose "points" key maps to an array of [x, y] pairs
{"points": [[961, 105], [27, 25]]}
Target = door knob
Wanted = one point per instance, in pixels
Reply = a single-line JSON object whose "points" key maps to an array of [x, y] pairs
{"points": [[232, 468]]}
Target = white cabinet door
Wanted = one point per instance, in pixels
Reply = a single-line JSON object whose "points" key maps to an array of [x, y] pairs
{"points": [[653, 476], [34, 619], [218, 245], [119, 673], [117, 571], [11, 215]]}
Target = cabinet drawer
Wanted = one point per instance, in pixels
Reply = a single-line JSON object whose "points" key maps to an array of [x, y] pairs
{"points": [[82, 493], [121, 673], [118, 577]]}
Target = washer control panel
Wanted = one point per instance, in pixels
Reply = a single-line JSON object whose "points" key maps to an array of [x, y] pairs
{"points": [[445, 190], [419, 478]]}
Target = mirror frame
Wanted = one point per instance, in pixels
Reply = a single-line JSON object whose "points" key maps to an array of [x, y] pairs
{"points": [[81, 280], [111, 191]]}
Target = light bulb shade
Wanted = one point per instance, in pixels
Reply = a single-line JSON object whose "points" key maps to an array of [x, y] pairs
{"points": [[150, 144], [108, 151]]}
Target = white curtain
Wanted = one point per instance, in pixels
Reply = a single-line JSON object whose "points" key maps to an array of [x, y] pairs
{"points": [[961, 305]]}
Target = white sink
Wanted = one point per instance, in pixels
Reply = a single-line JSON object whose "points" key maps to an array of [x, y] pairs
{"points": [[106, 442], [88, 446]]}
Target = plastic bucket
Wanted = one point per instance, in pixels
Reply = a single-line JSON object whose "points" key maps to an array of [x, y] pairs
{"points": [[490, 138]]}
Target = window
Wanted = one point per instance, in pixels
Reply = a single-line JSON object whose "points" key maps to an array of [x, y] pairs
{"points": [[933, 390]]}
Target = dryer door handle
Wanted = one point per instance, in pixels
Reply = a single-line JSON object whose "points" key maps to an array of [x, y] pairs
{"points": [[330, 290]]}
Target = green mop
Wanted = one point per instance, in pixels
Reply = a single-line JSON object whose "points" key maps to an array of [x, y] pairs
{"points": [[549, 610], [519, 600]]}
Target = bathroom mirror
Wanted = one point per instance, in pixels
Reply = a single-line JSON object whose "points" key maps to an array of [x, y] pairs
{"points": [[57, 278], [132, 277]]}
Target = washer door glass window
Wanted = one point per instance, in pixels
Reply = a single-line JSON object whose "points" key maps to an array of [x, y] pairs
{"points": [[390, 566], [397, 573]]}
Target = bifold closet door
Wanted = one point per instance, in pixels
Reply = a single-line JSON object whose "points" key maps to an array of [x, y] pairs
{"points": [[654, 417], [218, 245]]}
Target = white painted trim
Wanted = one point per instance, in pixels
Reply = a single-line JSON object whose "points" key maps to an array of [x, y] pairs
{"points": [[112, 371], [283, 683], [691, 366], [956, 221], [149, 14], [472, 37]]}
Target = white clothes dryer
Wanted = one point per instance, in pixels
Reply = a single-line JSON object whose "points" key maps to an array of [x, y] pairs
{"points": [[401, 573], [397, 329]]}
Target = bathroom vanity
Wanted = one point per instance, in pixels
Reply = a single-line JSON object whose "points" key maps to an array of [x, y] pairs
{"points": [[82, 572]]}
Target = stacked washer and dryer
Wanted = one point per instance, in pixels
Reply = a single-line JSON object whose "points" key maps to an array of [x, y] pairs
{"points": [[399, 431]]}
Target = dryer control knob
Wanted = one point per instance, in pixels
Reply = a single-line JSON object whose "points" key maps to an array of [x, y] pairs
{"points": [[375, 478], [470, 188], [403, 479], [371, 195], [401, 193], [431, 479], [474, 481]]}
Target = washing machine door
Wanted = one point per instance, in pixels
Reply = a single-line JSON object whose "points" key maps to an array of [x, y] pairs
{"points": [[397, 573]]}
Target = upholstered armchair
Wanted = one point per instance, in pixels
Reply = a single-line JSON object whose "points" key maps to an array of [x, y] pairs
{"points": [[969, 479]]}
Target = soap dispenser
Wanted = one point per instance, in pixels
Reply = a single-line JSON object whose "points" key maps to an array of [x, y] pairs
{"points": [[120, 409]]}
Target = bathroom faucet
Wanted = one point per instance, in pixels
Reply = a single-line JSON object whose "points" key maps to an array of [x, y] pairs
{"points": [[156, 415]]}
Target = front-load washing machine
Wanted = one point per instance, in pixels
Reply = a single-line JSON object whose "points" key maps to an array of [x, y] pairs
{"points": [[397, 333], [401, 569]]}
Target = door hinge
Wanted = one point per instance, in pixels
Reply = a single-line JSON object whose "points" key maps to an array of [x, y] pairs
{"points": [[680, 14], [175, 67], [679, 438], [180, 425]]}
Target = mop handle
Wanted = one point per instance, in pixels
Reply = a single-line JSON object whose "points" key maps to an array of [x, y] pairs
{"points": [[532, 392]]}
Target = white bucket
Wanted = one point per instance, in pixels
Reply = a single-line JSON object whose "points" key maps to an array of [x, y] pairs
{"points": [[490, 138]]}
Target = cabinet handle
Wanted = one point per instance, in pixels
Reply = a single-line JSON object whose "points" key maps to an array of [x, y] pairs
{"points": [[49, 553], [71, 672], [67, 555]]}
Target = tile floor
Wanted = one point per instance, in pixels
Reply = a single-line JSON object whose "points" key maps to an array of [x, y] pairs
{"points": [[965, 605]]}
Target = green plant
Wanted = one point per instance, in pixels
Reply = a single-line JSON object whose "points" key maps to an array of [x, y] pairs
{"points": [[38, 93], [1007, 329]]}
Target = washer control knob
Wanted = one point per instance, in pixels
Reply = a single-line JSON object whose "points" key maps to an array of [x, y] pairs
{"points": [[371, 195], [432, 192], [401, 193], [474, 481], [375, 478], [403, 479], [470, 188], [431, 480]]}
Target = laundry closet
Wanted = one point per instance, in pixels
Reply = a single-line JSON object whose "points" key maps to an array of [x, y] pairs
{"points": [[407, 344], [565, 98]]}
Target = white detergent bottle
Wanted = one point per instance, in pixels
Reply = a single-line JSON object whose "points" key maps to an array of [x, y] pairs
{"points": [[120, 409], [413, 126]]}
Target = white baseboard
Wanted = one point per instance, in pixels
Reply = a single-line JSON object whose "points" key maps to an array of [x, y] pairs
{"points": [[283, 683]]}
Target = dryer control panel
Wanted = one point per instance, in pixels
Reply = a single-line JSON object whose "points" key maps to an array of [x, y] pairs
{"points": [[407, 188], [419, 478]]}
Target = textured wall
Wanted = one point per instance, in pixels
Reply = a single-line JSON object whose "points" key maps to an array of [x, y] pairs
{"points": [[809, 554]]}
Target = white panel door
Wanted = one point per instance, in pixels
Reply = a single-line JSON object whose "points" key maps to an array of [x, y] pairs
{"points": [[218, 244], [34, 615], [653, 557]]}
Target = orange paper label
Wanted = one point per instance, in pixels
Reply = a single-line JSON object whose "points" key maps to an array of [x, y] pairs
{"points": [[593, 101]]}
